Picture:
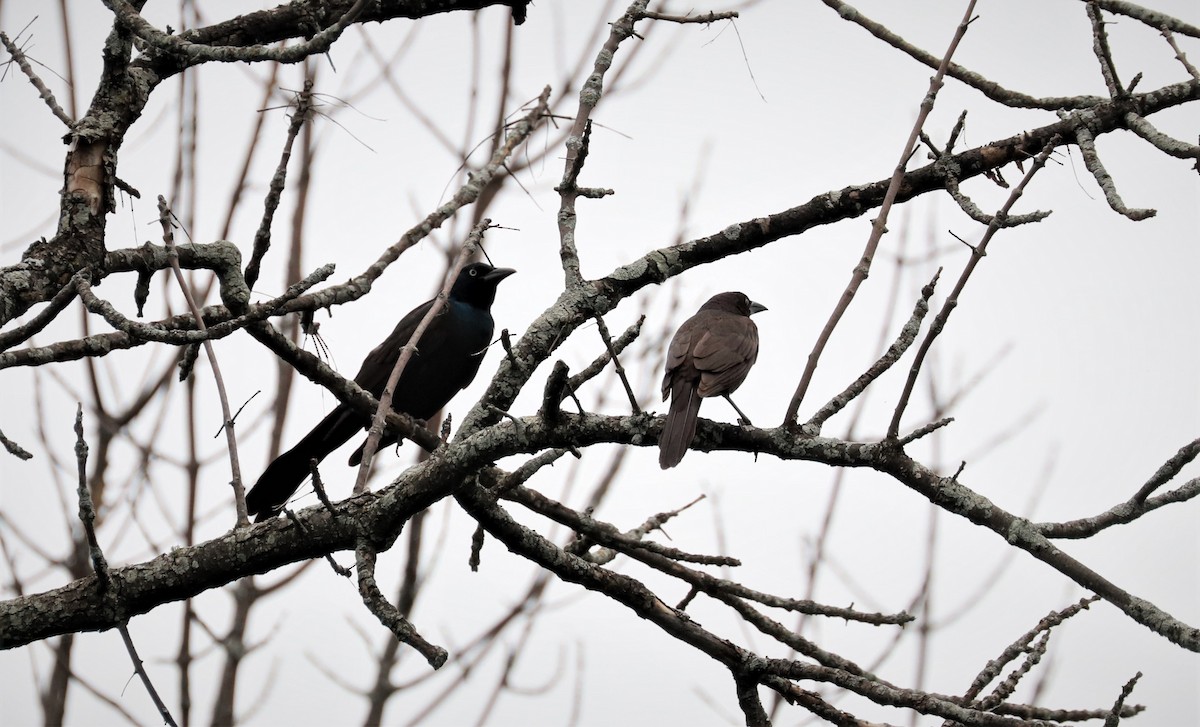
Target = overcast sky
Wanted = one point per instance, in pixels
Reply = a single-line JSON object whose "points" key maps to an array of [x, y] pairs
{"points": [[1085, 324]]}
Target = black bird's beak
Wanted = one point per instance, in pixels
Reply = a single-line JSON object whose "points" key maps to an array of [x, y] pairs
{"points": [[498, 274], [757, 308]]}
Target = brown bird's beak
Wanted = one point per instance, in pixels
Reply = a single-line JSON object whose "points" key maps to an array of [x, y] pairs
{"points": [[756, 308], [498, 274]]}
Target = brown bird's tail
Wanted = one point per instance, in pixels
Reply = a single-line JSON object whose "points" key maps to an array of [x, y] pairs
{"points": [[680, 428]]}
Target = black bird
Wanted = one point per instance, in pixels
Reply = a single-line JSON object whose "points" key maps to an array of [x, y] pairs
{"points": [[710, 355], [445, 361]]}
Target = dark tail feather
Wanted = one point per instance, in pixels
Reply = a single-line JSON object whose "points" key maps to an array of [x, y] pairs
{"points": [[680, 428], [283, 477]]}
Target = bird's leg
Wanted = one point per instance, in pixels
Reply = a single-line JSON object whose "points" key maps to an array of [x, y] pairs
{"points": [[743, 420]]}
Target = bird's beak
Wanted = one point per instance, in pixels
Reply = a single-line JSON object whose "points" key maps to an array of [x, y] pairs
{"points": [[756, 308], [498, 274]]}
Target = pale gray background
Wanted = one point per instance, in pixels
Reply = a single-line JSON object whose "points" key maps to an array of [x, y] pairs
{"points": [[1100, 314]]}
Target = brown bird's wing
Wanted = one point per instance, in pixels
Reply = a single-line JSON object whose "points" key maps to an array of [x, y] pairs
{"points": [[710, 355], [678, 354], [680, 383], [725, 353]]}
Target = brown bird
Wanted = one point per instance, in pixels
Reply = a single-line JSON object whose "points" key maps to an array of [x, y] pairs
{"points": [[710, 355]]}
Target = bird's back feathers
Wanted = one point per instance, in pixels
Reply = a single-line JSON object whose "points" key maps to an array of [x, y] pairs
{"points": [[710, 355]]}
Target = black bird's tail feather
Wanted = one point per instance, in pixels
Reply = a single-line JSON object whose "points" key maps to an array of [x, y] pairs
{"points": [[283, 477], [680, 427]]}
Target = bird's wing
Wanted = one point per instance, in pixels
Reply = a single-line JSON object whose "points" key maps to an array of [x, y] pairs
{"points": [[377, 366], [677, 354], [725, 353]]}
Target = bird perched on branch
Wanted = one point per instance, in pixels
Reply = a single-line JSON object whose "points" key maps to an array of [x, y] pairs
{"points": [[710, 355], [445, 361]]}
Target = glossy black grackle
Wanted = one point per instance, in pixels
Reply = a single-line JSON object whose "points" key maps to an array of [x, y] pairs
{"points": [[710, 355], [445, 361]]}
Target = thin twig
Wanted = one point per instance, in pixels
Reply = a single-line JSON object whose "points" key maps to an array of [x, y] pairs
{"points": [[577, 140], [1108, 68], [42, 89], [1179, 54], [87, 515], [977, 254], [987, 87], [262, 238], [1114, 717], [239, 495], [620, 370], [863, 268], [908, 334]]}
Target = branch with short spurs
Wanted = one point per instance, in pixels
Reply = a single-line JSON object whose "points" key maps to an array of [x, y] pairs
{"points": [[262, 237], [1138, 505], [1100, 48], [1114, 716], [708, 18], [104, 580], [948, 493], [478, 179], [1180, 55], [177, 330], [573, 307], [908, 334], [665, 560], [224, 258], [647, 605], [990, 89], [994, 667], [43, 91], [578, 137], [158, 333], [977, 253], [616, 542], [878, 226], [944, 158], [235, 468]]}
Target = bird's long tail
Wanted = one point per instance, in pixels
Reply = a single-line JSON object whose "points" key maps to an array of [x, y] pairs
{"points": [[282, 477], [680, 427]]}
